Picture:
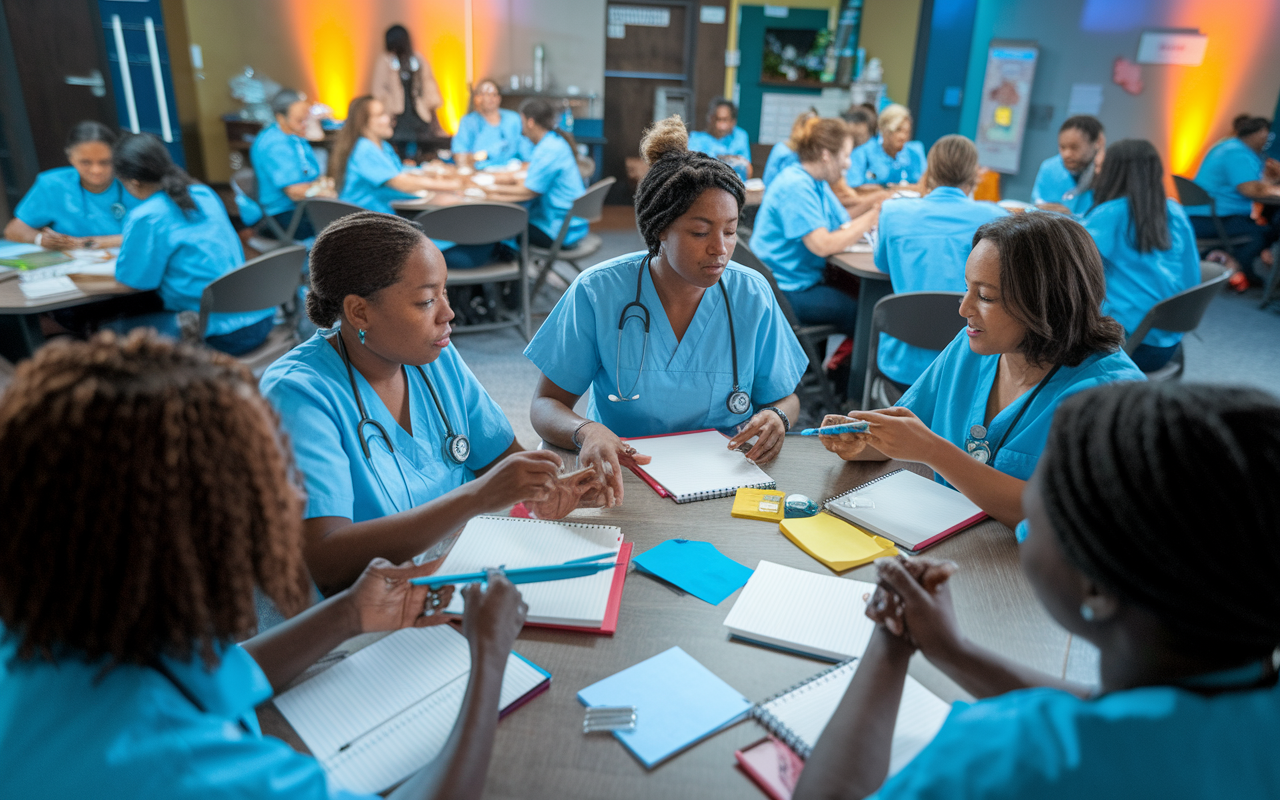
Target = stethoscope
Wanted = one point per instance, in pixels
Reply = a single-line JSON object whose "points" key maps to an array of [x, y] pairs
{"points": [[977, 445], [117, 208], [738, 402]]}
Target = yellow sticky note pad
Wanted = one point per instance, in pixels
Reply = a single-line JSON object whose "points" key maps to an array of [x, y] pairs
{"points": [[762, 504], [834, 542]]}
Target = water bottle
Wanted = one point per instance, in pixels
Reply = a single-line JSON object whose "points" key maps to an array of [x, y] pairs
{"points": [[566, 120]]}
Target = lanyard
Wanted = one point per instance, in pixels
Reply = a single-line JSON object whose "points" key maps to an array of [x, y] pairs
{"points": [[1018, 418]]}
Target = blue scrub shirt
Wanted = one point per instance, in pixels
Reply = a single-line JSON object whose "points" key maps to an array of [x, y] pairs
{"points": [[780, 157], [1137, 281], [795, 205], [57, 200], [179, 255], [1053, 181], [71, 730], [951, 397], [923, 245], [281, 159], [684, 385], [737, 143], [869, 163], [1228, 164], [369, 167], [310, 390], [1048, 744], [553, 175], [502, 142]]}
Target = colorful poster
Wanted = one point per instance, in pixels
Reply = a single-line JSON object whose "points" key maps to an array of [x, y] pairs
{"points": [[1006, 96]]}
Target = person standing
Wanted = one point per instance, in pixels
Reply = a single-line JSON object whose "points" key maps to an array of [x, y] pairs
{"points": [[403, 83]]}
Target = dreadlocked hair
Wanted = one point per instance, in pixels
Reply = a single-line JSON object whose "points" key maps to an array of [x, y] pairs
{"points": [[360, 254], [677, 177], [147, 491], [1136, 475]]}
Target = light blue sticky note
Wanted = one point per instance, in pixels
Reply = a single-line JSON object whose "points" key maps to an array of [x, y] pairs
{"points": [[697, 567], [678, 702]]}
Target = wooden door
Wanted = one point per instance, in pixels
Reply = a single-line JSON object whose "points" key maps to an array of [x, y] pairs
{"points": [[62, 68]]}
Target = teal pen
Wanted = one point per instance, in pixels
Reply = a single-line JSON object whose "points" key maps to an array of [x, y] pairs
{"points": [[833, 430], [575, 568]]}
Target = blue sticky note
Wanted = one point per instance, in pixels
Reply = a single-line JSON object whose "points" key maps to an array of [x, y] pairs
{"points": [[697, 567], [678, 702]]}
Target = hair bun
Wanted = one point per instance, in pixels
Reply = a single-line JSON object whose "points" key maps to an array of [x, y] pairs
{"points": [[665, 137]]}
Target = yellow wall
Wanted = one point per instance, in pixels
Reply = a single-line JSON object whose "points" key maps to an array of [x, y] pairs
{"points": [[889, 33]]}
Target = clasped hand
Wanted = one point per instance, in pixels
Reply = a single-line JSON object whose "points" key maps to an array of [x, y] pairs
{"points": [[913, 601]]}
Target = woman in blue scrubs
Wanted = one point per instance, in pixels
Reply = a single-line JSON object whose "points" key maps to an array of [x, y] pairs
{"points": [[1188, 704], [398, 442], [1235, 174], [678, 338], [285, 164], [82, 205], [800, 223], [723, 139], [923, 243], [783, 153], [979, 415], [1147, 245], [490, 134], [552, 181], [891, 157], [125, 589], [178, 241], [1063, 181]]}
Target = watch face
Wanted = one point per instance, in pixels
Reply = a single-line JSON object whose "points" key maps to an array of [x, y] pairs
{"points": [[459, 448], [739, 402]]}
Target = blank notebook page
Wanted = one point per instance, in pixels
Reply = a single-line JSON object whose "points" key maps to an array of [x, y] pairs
{"points": [[513, 542], [699, 466], [907, 506]]}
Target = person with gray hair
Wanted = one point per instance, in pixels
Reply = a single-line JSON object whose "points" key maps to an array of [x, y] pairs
{"points": [[284, 163]]}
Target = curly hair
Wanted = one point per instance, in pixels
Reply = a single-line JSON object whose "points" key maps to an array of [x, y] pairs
{"points": [[677, 177], [360, 254], [147, 490]]}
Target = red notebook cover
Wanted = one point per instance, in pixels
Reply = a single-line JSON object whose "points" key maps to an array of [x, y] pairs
{"points": [[772, 765], [610, 624]]}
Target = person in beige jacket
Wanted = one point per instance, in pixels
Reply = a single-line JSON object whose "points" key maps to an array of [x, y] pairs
{"points": [[400, 73]]}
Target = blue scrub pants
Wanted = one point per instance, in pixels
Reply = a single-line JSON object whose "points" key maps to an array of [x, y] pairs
{"points": [[1260, 238], [470, 256], [1150, 358], [235, 343], [822, 304]]}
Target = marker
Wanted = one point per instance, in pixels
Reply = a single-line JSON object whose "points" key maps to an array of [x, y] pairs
{"points": [[833, 430]]}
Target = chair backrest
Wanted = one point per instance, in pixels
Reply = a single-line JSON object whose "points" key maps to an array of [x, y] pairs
{"points": [[590, 206], [474, 223], [246, 180], [322, 211], [743, 255], [1191, 193], [1180, 313], [921, 319], [264, 282]]}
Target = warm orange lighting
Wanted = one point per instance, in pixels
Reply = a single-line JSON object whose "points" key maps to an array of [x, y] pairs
{"points": [[448, 61]]}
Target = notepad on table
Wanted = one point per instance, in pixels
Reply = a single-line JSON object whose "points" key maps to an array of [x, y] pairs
{"points": [[387, 710], [696, 567], [772, 765], [697, 466], [835, 542], [678, 703], [589, 603], [803, 612], [912, 511], [767, 505], [799, 715]]}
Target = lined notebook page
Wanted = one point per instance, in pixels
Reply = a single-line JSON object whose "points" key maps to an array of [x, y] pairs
{"points": [[905, 507], [513, 542], [699, 466], [817, 614]]}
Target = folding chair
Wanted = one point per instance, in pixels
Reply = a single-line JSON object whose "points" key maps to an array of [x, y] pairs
{"points": [[921, 319], [589, 206], [1191, 193], [245, 181], [267, 281], [1180, 313], [322, 211]]}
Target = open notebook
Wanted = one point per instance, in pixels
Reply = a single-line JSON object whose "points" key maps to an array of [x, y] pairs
{"points": [[912, 511], [513, 542], [803, 612], [387, 710], [800, 714], [696, 466]]}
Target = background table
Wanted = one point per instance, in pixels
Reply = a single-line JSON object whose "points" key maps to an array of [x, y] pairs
{"points": [[20, 333], [874, 285], [540, 749]]}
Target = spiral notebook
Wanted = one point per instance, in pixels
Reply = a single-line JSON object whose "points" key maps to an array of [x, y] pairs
{"points": [[908, 509], [798, 715], [696, 466]]}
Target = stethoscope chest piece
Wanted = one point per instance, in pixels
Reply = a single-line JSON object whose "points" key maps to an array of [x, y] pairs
{"points": [[118, 210], [739, 402], [458, 448]]}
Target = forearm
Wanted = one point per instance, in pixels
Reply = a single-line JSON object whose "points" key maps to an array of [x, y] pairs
{"points": [[555, 421], [789, 405], [295, 644], [996, 493], [297, 191], [509, 193], [19, 231], [824, 243], [102, 242], [984, 673]]}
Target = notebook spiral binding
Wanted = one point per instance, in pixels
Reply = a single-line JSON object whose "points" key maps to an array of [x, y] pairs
{"points": [[776, 726], [552, 522], [691, 498], [860, 487]]}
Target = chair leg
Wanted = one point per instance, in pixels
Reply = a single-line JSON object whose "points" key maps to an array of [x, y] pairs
{"points": [[1273, 279], [541, 279]]}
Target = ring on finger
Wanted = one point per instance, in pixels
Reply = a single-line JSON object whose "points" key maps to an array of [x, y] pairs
{"points": [[433, 604]]}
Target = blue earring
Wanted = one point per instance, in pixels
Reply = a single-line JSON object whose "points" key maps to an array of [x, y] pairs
{"points": [[1086, 612], [362, 336]]}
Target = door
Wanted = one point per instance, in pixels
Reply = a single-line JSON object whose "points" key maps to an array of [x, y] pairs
{"points": [[145, 102]]}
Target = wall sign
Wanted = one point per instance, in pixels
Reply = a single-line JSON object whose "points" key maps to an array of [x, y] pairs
{"points": [[1185, 49], [1006, 96]]}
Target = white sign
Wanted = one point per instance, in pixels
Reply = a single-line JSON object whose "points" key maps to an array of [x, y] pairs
{"points": [[711, 15], [1185, 49], [643, 16], [776, 11]]}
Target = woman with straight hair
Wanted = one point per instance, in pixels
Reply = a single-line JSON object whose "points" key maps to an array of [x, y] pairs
{"points": [[1147, 244], [403, 83], [891, 157], [980, 414], [552, 182]]}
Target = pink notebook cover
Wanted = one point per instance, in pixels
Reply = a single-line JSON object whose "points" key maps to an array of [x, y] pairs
{"points": [[772, 765], [639, 471], [932, 540]]}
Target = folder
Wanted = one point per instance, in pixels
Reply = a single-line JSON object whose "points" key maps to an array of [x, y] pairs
{"points": [[839, 545]]}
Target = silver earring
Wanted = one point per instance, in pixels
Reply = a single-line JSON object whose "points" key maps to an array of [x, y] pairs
{"points": [[362, 336], [1086, 612]]}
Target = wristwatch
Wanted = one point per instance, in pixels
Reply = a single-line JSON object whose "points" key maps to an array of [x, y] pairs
{"points": [[786, 423]]}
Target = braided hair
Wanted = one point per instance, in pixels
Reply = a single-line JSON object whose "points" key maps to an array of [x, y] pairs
{"points": [[677, 177], [1136, 476], [360, 254]]}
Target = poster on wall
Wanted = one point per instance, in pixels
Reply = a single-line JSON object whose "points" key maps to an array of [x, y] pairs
{"points": [[1006, 96]]}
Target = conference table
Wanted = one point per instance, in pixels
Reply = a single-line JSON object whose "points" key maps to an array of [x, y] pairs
{"points": [[540, 750], [874, 285], [20, 330]]}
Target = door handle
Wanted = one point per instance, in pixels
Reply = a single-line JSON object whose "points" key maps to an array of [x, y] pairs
{"points": [[93, 80]]}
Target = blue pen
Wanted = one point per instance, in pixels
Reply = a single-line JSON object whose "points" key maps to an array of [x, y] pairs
{"points": [[575, 568], [832, 430]]}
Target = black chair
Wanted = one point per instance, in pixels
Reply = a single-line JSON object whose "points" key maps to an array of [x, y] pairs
{"points": [[246, 181], [921, 319], [267, 281], [322, 211], [815, 384], [1191, 193], [1180, 313], [1273, 278], [590, 207], [486, 223]]}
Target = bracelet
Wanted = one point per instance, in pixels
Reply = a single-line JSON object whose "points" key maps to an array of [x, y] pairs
{"points": [[786, 423], [39, 236], [574, 437]]}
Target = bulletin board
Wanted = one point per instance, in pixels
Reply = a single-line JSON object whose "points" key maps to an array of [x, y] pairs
{"points": [[1006, 97]]}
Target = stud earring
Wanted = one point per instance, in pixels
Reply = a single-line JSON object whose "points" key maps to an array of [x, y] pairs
{"points": [[1086, 612], [362, 335]]}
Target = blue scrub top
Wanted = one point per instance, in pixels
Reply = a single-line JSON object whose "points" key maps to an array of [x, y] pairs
{"points": [[179, 255], [1053, 181], [553, 175], [869, 163], [1137, 281], [684, 385], [71, 730], [1228, 164], [1156, 741], [57, 200], [780, 157], [951, 397], [369, 167], [281, 159], [737, 143], [502, 142], [795, 205], [310, 389], [923, 244]]}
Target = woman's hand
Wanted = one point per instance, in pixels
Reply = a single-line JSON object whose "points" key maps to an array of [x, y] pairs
{"points": [[846, 445], [603, 450], [384, 600], [913, 600], [898, 433], [768, 427], [53, 240], [526, 476], [493, 616], [569, 491]]}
